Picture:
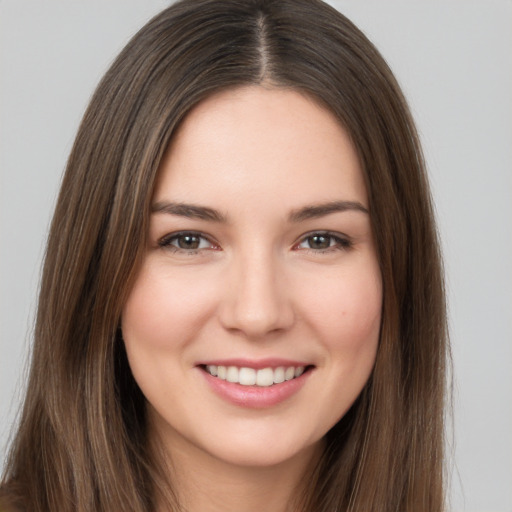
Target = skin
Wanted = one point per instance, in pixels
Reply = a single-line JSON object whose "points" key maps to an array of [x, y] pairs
{"points": [[257, 286]]}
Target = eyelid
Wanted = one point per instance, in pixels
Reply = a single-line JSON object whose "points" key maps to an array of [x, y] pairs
{"points": [[344, 242], [165, 241]]}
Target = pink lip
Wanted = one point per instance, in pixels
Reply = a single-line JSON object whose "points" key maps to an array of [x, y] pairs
{"points": [[255, 397], [256, 364]]}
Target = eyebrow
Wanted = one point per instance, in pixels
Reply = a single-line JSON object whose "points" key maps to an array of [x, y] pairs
{"points": [[192, 211], [320, 210], [188, 210]]}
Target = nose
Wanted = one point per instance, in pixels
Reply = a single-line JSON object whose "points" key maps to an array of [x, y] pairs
{"points": [[256, 300]]}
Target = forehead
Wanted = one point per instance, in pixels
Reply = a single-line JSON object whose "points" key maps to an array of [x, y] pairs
{"points": [[259, 141]]}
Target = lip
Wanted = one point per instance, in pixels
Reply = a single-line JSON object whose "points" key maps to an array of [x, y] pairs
{"points": [[257, 364], [255, 397]]}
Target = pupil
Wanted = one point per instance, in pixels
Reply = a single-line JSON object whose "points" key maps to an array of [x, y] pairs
{"points": [[188, 242], [319, 242]]}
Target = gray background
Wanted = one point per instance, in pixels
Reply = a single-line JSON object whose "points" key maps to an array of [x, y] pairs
{"points": [[453, 59]]}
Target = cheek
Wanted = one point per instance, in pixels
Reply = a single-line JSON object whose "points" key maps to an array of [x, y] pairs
{"points": [[164, 309], [347, 308], [343, 310]]}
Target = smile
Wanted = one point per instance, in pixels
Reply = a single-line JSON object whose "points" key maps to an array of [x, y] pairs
{"points": [[256, 384], [263, 377]]}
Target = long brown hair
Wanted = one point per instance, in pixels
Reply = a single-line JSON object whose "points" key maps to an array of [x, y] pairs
{"points": [[81, 443]]}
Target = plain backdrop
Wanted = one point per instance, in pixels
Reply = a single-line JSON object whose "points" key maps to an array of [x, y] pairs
{"points": [[453, 59]]}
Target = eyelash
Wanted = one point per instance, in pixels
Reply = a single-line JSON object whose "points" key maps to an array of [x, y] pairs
{"points": [[336, 242], [166, 242]]}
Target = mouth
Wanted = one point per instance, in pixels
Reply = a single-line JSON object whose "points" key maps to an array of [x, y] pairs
{"points": [[256, 384], [262, 377]]}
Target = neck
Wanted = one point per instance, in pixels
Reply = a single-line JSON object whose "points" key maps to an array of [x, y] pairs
{"points": [[203, 483]]}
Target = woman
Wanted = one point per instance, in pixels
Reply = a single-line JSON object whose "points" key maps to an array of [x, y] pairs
{"points": [[242, 302]]}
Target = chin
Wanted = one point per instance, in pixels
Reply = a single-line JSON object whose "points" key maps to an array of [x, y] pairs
{"points": [[267, 456]]}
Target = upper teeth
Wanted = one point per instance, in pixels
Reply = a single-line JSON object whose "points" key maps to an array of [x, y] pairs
{"points": [[252, 377]]}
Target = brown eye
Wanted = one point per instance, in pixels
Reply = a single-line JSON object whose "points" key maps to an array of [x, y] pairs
{"points": [[319, 241], [186, 242], [324, 242]]}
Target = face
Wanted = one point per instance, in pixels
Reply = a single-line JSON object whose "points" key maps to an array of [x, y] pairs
{"points": [[254, 321]]}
